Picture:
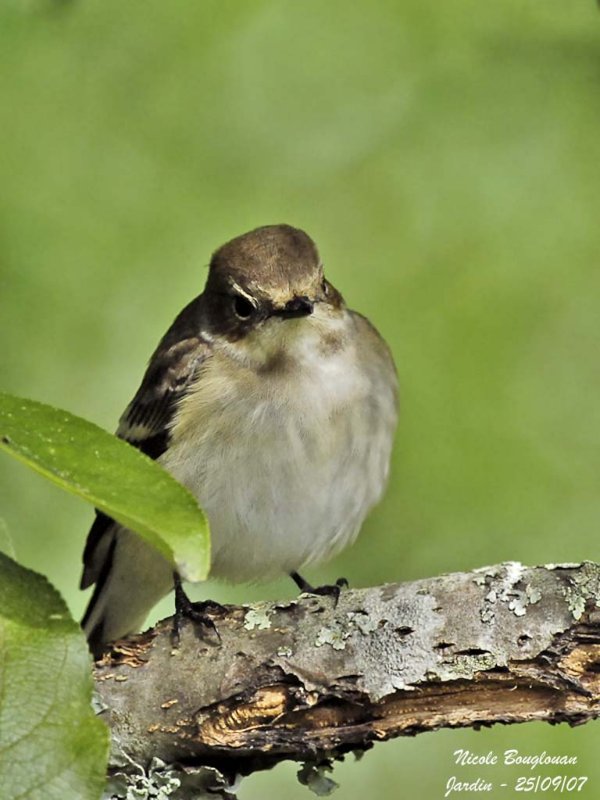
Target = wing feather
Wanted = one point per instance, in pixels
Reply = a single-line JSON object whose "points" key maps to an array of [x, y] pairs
{"points": [[146, 421], [169, 374]]}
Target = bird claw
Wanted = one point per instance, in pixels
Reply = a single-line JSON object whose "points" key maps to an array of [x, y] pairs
{"points": [[200, 613], [329, 590]]}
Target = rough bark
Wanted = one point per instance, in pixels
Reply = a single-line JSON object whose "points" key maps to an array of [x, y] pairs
{"points": [[310, 680]]}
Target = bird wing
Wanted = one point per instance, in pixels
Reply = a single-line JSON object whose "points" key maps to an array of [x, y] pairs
{"points": [[146, 421]]}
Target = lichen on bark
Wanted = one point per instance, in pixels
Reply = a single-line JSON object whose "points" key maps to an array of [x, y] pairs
{"points": [[311, 679]]}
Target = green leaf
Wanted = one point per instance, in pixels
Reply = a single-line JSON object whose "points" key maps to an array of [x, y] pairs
{"points": [[6, 543], [114, 476], [52, 746]]}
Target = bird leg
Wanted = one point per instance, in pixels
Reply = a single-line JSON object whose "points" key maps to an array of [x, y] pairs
{"points": [[201, 613], [327, 591]]}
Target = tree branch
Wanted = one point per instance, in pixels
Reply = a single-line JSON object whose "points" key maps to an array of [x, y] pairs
{"points": [[308, 680]]}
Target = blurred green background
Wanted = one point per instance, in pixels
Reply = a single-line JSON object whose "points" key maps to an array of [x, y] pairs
{"points": [[446, 158]]}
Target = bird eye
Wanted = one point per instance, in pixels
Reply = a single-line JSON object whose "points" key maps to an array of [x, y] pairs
{"points": [[242, 307]]}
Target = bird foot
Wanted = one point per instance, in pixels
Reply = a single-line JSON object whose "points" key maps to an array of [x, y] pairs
{"points": [[200, 613], [329, 590]]}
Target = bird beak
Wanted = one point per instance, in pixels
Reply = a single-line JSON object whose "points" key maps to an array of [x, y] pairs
{"points": [[298, 307]]}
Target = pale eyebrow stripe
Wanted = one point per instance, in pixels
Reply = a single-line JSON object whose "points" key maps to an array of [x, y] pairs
{"points": [[236, 287]]}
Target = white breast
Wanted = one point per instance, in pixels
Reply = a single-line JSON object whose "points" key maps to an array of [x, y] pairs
{"points": [[287, 463]]}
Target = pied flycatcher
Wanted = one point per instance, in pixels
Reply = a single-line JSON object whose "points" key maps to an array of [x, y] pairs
{"points": [[275, 405]]}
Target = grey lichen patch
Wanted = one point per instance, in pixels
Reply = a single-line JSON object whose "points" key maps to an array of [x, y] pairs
{"points": [[257, 618], [575, 601], [533, 594], [518, 604], [487, 613], [480, 577], [510, 591], [580, 587], [98, 703], [334, 635], [363, 622], [520, 598], [466, 666], [163, 781], [286, 605], [508, 586]]}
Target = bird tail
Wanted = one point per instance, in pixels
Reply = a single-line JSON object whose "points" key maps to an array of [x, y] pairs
{"points": [[130, 577]]}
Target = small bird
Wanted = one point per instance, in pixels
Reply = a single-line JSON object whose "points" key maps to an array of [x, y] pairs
{"points": [[275, 405]]}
